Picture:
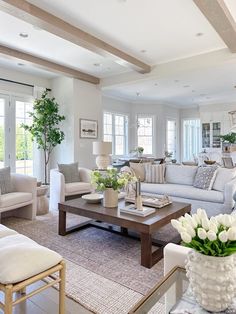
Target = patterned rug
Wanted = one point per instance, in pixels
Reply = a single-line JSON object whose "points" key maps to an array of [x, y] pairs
{"points": [[103, 269]]}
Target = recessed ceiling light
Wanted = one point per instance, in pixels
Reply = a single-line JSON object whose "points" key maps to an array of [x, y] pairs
{"points": [[97, 64], [185, 86], [143, 51], [176, 81], [24, 35], [137, 94], [199, 34], [20, 64], [155, 84]]}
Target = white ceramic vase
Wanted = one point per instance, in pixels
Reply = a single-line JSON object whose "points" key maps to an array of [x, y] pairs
{"points": [[212, 280], [110, 198]]}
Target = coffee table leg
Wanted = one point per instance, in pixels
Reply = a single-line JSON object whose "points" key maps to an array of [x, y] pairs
{"points": [[146, 250], [62, 223]]}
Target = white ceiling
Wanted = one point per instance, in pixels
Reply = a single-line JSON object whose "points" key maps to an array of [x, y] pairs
{"points": [[184, 90], [165, 29]]}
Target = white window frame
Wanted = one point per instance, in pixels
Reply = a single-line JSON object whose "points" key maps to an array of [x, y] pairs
{"points": [[176, 130], [126, 133], [153, 117]]}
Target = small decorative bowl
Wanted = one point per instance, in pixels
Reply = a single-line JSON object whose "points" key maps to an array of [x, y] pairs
{"points": [[209, 162], [93, 198]]}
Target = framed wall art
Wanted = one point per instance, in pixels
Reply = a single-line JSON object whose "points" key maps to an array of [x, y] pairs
{"points": [[88, 128]]}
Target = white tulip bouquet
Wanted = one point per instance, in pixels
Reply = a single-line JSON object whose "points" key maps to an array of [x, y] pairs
{"points": [[214, 237]]}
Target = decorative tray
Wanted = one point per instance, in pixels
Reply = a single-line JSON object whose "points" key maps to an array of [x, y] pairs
{"points": [[156, 202]]}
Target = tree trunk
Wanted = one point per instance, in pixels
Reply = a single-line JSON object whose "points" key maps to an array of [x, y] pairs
{"points": [[45, 168]]}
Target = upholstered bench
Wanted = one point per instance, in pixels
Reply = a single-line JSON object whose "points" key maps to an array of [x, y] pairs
{"points": [[23, 262]]}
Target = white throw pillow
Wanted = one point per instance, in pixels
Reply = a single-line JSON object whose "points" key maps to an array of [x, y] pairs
{"points": [[178, 174], [223, 176], [154, 173]]}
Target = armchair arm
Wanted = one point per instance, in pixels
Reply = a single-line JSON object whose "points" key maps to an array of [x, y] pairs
{"points": [[57, 188], [85, 175], [174, 255], [23, 183], [229, 190]]}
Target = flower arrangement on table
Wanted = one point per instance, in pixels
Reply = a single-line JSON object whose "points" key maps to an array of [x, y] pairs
{"points": [[111, 178], [210, 265], [215, 236]]}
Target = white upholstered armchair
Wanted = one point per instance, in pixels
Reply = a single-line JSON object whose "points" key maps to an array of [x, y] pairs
{"points": [[22, 199], [60, 191]]}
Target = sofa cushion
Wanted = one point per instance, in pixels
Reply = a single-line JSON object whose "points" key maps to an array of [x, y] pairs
{"points": [[205, 177], [223, 176], [22, 258], [154, 173], [5, 180], [179, 174], [14, 198], [138, 169], [70, 172], [4, 231], [77, 188], [183, 191]]}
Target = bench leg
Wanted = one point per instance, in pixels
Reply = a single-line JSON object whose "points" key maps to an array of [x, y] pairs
{"points": [[62, 283], [8, 299]]}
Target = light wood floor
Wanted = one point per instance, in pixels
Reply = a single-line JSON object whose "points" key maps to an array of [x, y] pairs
{"points": [[46, 302]]}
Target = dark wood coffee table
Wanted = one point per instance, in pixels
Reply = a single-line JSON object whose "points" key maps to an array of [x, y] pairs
{"points": [[145, 226]]}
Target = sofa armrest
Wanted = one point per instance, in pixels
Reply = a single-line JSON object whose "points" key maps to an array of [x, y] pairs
{"points": [[85, 175], [24, 183], [174, 255], [229, 190]]}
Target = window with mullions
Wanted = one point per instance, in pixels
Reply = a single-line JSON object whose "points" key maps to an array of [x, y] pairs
{"points": [[115, 130]]}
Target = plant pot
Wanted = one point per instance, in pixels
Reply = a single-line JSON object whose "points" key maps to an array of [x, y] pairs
{"points": [[110, 198], [212, 280]]}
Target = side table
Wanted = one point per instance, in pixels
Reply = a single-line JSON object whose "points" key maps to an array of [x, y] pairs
{"points": [[42, 200]]}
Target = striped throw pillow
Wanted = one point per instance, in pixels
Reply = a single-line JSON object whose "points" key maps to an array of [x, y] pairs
{"points": [[154, 173]]}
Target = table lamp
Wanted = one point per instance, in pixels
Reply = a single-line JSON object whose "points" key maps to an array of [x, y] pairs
{"points": [[102, 150]]}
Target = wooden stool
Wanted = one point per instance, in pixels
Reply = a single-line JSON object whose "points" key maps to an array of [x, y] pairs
{"points": [[9, 289]]}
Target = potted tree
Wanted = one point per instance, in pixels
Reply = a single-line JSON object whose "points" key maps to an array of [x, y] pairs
{"points": [[44, 128]]}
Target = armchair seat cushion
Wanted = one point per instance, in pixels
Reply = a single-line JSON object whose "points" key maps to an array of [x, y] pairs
{"points": [[77, 188], [22, 258], [14, 198]]}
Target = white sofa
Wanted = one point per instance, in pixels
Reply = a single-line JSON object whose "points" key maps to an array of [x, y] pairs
{"points": [[179, 186], [23, 200], [60, 191]]}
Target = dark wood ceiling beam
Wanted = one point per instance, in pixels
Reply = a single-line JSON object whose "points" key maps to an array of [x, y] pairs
{"points": [[51, 23], [46, 64], [218, 14]]}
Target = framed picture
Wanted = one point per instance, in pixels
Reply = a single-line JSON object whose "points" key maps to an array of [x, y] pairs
{"points": [[88, 128]]}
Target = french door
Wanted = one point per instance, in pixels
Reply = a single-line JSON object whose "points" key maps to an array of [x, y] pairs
{"points": [[16, 147]]}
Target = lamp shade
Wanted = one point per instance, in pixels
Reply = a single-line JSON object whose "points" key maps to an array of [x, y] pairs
{"points": [[102, 148]]}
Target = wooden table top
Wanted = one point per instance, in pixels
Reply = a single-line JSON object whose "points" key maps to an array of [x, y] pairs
{"points": [[148, 224]]}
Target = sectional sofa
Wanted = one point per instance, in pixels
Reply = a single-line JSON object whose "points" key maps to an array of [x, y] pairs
{"points": [[179, 186]]}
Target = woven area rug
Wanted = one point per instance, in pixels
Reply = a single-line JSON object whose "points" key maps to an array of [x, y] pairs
{"points": [[103, 269]]}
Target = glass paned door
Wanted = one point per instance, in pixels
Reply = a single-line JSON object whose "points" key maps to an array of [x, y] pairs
{"points": [[24, 145], [4, 102]]}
